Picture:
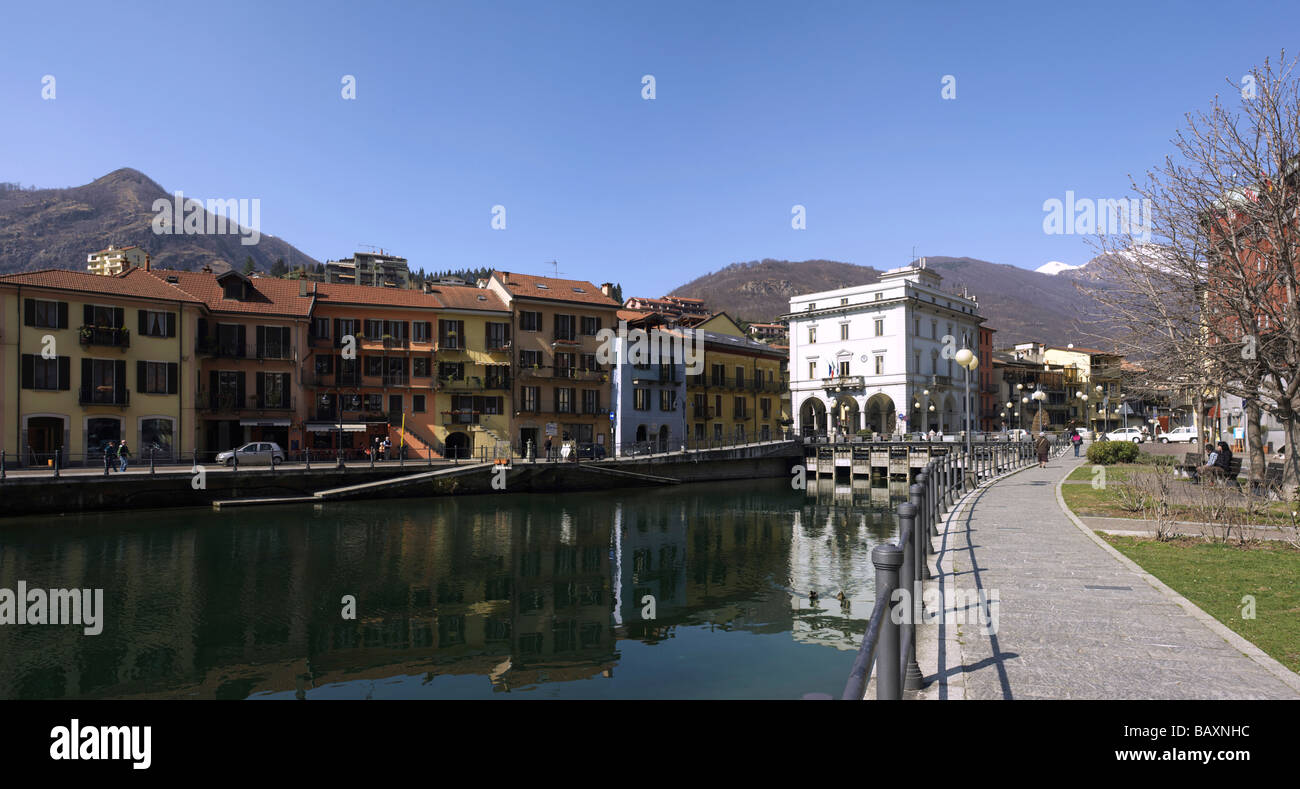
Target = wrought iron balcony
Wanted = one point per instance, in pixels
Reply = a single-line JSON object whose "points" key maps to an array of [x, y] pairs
{"points": [[106, 336], [104, 395]]}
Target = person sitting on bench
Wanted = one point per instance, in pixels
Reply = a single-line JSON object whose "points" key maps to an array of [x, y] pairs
{"points": [[1219, 462]]}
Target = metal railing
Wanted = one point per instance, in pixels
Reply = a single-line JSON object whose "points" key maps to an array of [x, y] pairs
{"points": [[889, 644], [104, 335]]}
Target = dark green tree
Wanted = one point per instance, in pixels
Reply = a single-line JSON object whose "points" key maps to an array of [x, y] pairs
{"points": [[278, 268], [249, 265]]}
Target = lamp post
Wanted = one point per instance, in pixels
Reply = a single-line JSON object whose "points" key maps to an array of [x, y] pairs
{"points": [[1040, 396], [1104, 407], [969, 362]]}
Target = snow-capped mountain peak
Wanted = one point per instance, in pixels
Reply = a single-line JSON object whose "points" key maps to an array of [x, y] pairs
{"points": [[1055, 267]]}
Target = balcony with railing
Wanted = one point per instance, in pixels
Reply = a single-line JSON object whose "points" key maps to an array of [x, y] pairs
{"points": [[706, 412], [104, 395], [460, 416], [468, 383], [846, 382], [105, 336]]}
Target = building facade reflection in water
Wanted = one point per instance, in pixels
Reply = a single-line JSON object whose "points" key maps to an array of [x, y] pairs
{"points": [[511, 593]]}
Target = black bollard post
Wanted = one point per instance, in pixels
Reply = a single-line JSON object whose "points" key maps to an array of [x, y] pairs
{"points": [[2, 465], [58, 458], [919, 497], [887, 560], [307, 455], [907, 581]]}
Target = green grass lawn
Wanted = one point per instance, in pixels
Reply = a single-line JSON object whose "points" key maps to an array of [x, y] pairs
{"points": [[1216, 577], [1105, 503], [1119, 472]]}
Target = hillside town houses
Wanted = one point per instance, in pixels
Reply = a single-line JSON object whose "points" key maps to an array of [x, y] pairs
{"points": [[192, 363]]}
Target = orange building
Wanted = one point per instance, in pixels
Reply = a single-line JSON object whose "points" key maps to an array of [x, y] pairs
{"points": [[369, 372]]}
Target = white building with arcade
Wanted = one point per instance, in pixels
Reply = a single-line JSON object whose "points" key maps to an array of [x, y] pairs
{"points": [[879, 357]]}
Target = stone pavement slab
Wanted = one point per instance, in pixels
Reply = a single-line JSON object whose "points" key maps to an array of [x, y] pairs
{"points": [[1074, 618]]}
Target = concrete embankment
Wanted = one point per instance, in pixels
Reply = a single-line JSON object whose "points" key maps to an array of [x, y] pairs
{"points": [[70, 494]]}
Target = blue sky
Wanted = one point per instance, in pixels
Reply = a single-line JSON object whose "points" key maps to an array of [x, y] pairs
{"points": [[538, 107]]}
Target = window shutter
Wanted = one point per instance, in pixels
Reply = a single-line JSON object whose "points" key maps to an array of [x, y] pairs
{"points": [[29, 312], [261, 341], [119, 381], [171, 324], [119, 318], [29, 371], [243, 338], [338, 334], [63, 315], [141, 373], [239, 390], [214, 382], [88, 314], [203, 328], [65, 373], [143, 329], [261, 389], [173, 377]]}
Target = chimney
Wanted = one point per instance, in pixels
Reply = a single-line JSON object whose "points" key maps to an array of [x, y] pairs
{"points": [[302, 287], [147, 262], [606, 288]]}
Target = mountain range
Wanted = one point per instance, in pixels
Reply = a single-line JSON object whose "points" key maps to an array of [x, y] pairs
{"points": [[1022, 305], [57, 228]]}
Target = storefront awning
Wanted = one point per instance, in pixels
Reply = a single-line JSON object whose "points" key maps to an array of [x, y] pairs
{"points": [[346, 427], [264, 423]]}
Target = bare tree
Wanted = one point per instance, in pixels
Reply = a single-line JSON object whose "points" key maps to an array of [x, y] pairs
{"points": [[1207, 285]]}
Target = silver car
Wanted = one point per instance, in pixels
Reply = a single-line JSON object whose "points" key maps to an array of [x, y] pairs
{"points": [[257, 453]]}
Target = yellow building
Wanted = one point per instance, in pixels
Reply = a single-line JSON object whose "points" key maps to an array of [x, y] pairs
{"points": [[114, 260], [472, 353], [90, 359], [742, 394]]}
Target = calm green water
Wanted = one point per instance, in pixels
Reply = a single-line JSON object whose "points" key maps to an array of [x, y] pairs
{"points": [[510, 596]]}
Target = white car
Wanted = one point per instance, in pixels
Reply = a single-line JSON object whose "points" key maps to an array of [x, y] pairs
{"points": [[258, 453], [1186, 433], [1133, 434]]}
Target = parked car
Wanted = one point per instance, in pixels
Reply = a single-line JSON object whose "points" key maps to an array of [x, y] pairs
{"points": [[1186, 433], [257, 453], [1133, 434], [591, 452]]}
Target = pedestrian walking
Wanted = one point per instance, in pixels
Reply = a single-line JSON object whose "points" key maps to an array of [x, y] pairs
{"points": [[123, 452], [1076, 440], [1042, 446], [548, 447], [388, 446]]}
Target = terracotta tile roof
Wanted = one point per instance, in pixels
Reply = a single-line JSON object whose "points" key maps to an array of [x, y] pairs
{"points": [[576, 290], [632, 315], [337, 293], [134, 283], [269, 296], [467, 297]]}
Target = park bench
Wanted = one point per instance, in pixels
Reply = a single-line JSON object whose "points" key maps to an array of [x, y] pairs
{"points": [[1272, 482], [1234, 469], [1191, 461]]}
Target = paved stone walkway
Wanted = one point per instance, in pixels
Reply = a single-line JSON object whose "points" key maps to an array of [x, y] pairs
{"points": [[1073, 620]]}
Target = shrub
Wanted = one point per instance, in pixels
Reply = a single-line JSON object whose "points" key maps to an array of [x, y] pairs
{"points": [[1105, 453], [1149, 459]]}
